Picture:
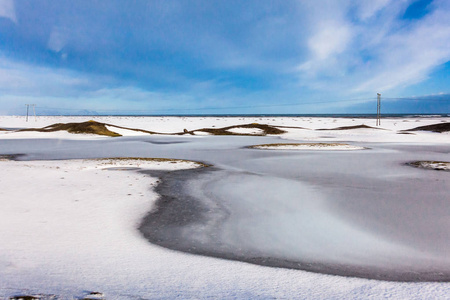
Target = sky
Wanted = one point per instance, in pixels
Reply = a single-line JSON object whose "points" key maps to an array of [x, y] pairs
{"points": [[224, 57]]}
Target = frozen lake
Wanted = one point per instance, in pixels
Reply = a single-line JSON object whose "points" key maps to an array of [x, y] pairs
{"points": [[359, 213]]}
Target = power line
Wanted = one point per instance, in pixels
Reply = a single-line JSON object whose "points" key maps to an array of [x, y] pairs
{"points": [[418, 99], [243, 106], [220, 107]]}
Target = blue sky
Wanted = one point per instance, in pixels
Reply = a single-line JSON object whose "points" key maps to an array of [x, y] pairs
{"points": [[214, 57]]}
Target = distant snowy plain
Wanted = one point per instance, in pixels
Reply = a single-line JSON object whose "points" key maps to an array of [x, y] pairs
{"points": [[71, 226]]}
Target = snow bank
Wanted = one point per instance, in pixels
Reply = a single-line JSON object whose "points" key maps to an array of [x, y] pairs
{"points": [[125, 132], [199, 132], [241, 130], [177, 124]]}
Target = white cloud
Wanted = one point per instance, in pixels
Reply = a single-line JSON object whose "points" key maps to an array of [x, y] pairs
{"points": [[409, 56], [377, 52], [328, 36], [57, 39], [7, 10], [331, 39], [23, 79]]}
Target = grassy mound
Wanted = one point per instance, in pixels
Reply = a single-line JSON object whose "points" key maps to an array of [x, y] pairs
{"points": [[89, 127], [265, 130], [441, 127]]}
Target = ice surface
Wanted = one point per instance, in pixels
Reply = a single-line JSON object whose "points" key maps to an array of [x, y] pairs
{"points": [[368, 211]]}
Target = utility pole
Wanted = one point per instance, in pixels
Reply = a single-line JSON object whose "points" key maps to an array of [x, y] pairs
{"points": [[34, 110], [378, 109]]}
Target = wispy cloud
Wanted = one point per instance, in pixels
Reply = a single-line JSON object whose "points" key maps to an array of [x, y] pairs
{"points": [[24, 79], [58, 39], [65, 91], [7, 10], [49, 87]]}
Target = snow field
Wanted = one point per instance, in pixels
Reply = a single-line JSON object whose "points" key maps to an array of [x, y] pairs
{"points": [[68, 227]]}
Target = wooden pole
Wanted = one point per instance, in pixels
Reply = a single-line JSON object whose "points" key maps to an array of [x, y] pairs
{"points": [[28, 110], [378, 109], [28, 106]]}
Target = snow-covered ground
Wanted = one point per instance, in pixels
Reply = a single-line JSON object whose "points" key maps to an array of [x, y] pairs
{"points": [[68, 227], [311, 129], [177, 124]]}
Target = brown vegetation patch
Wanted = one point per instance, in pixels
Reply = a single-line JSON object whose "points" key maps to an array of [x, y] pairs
{"points": [[266, 129], [352, 127], [93, 127], [441, 127], [25, 297], [89, 127]]}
